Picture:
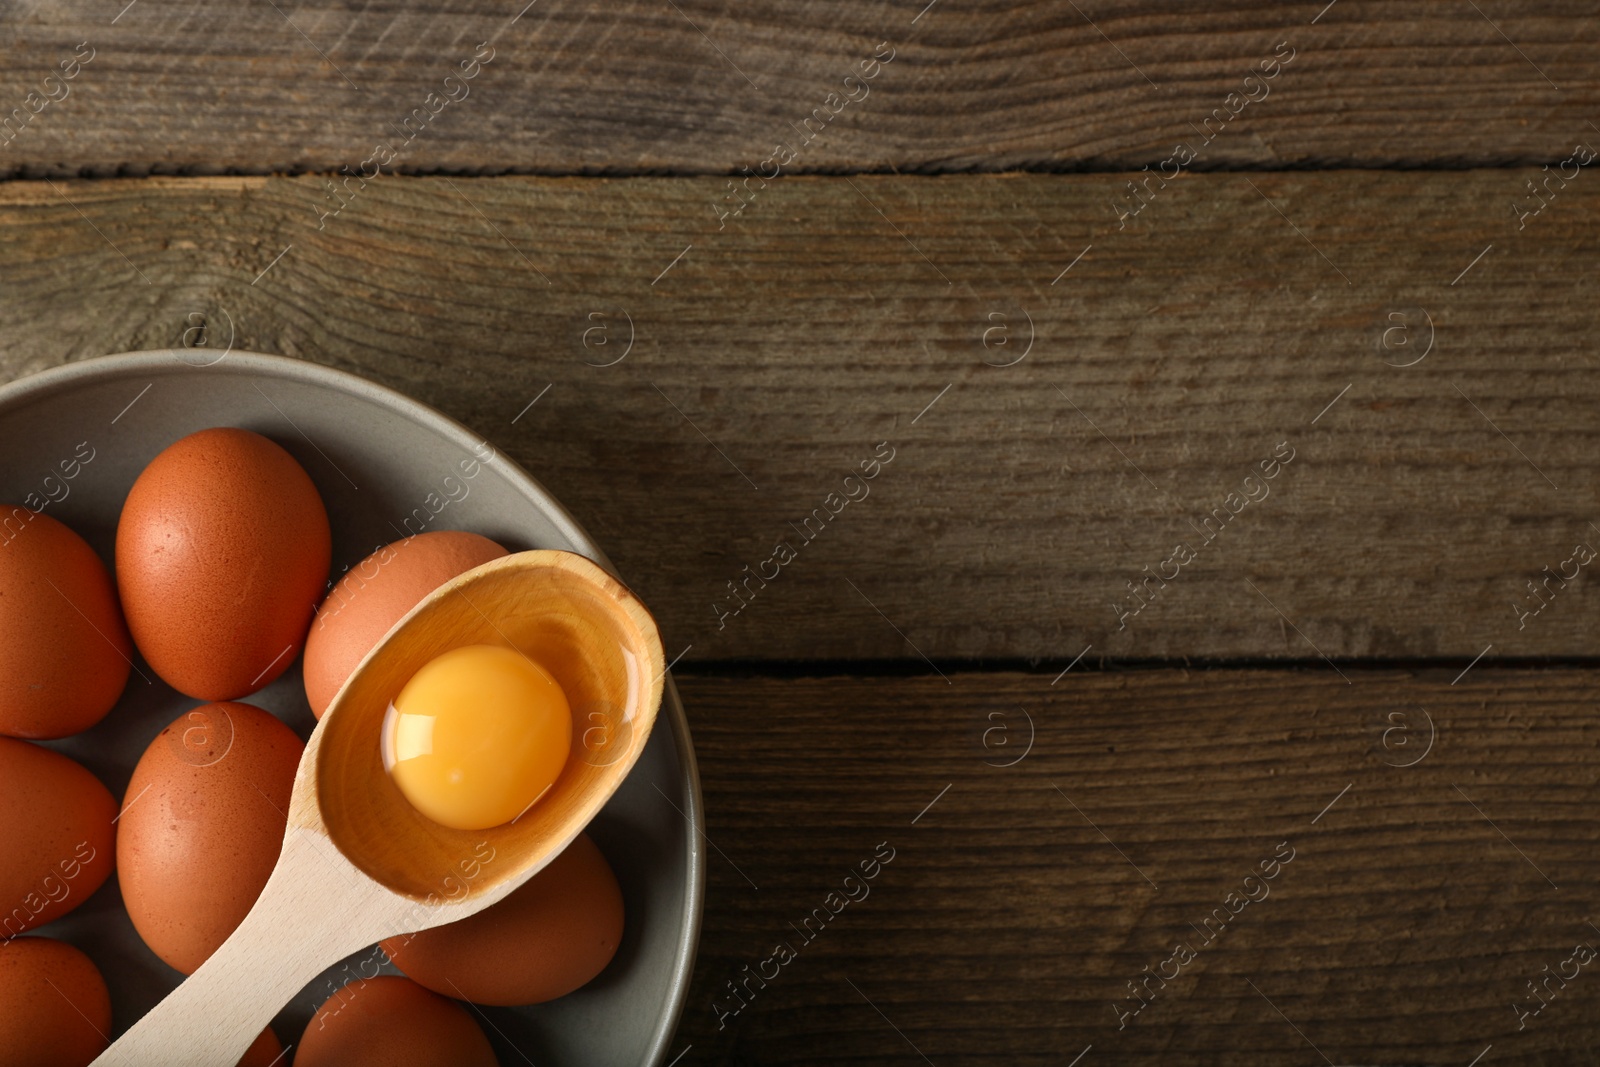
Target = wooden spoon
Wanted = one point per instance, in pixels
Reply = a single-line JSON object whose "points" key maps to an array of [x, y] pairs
{"points": [[359, 863]]}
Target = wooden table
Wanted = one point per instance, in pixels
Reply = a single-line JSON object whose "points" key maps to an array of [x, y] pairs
{"points": [[1228, 389]]}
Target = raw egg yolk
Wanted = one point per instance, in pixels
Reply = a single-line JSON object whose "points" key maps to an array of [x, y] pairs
{"points": [[477, 736]]}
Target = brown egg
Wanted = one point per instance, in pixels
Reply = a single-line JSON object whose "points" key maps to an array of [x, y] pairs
{"points": [[264, 1051], [54, 1008], [64, 651], [202, 826], [392, 1022], [56, 836], [553, 934], [222, 553], [374, 594]]}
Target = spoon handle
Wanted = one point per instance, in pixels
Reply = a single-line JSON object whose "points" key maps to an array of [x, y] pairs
{"points": [[315, 909]]}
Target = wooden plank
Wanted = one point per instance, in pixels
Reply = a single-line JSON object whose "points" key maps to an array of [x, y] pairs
{"points": [[707, 86], [1017, 909], [1236, 318]]}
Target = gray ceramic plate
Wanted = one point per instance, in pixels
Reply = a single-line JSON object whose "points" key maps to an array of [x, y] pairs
{"points": [[376, 457]]}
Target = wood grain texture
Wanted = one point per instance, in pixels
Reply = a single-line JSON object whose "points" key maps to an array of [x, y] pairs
{"points": [[1414, 911], [1234, 317], [709, 86]]}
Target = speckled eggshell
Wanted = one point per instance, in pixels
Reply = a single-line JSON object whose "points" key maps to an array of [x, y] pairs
{"points": [[202, 826], [551, 935], [392, 1022], [374, 595], [56, 836], [54, 1007], [223, 549], [64, 651]]}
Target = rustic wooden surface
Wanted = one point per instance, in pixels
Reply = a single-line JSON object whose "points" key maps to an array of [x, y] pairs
{"points": [[1408, 923], [698, 86], [1071, 375], [776, 354]]}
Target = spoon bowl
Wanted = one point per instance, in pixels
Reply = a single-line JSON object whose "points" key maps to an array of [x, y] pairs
{"points": [[359, 863], [561, 611]]}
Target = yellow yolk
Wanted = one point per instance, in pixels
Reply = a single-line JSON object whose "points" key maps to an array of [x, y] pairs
{"points": [[477, 736]]}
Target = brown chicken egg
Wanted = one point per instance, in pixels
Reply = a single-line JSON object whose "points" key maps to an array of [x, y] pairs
{"points": [[264, 1051], [551, 935], [202, 827], [56, 836], [64, 651], [392, 1022], [54, 1007], [374, 594], [222, 552]]}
